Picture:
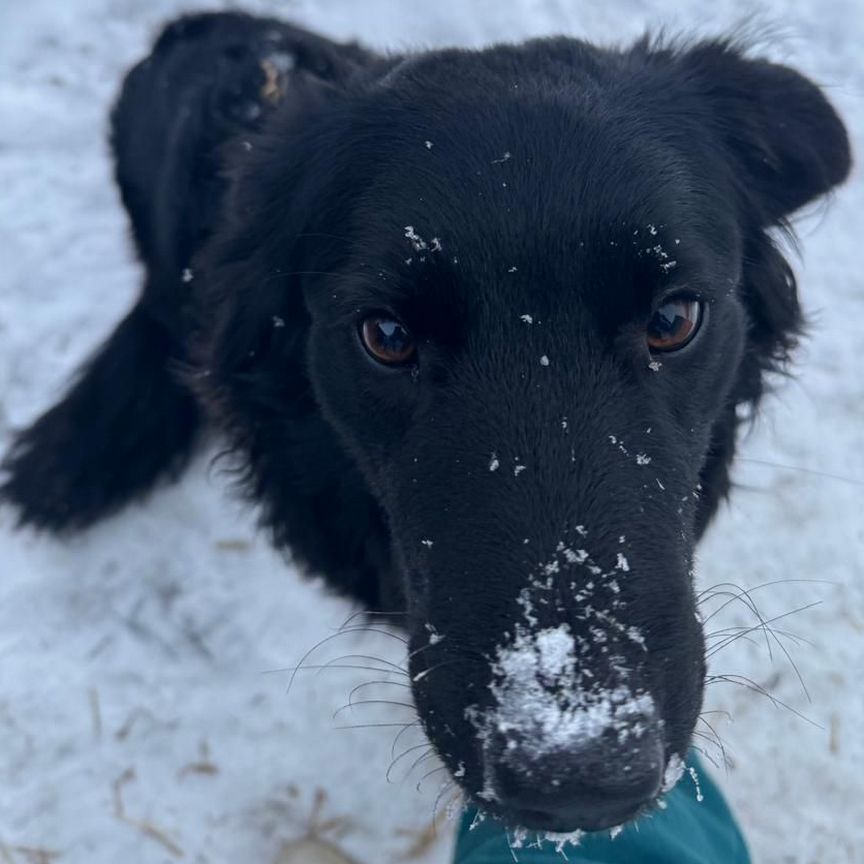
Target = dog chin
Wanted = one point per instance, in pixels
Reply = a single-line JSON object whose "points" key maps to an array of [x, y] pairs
{"points": [[557, 829]]}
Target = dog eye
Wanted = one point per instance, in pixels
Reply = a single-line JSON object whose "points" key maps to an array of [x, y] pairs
{"points": [[674, 324], [387, 340]]}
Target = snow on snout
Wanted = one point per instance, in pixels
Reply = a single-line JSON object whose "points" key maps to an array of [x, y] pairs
{"points": [[542, 702]]}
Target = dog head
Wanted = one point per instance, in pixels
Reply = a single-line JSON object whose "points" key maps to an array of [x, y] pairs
{"points": [[483, 324]]}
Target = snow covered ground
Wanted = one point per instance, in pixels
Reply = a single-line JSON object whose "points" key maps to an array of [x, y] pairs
{"points": [[137, 719]]}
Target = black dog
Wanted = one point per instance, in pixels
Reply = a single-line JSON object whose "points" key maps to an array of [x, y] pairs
{"points": [[482, 325]]}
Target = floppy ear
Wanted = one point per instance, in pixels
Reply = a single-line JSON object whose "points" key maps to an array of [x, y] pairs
{"points": [[785, 146], [282, 221], [787, 141]]}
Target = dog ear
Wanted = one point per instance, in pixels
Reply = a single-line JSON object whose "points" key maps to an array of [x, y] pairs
{"points": [[788, 144], [785, 146]]}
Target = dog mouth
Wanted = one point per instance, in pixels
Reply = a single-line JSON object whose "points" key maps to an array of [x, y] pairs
{"points": [[571, 727], [560, 825], [561, 747], [546, 807], [560, 822], [557, 759]]}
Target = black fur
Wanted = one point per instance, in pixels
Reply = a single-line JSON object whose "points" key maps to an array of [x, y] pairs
{"points": [[557, 180]]}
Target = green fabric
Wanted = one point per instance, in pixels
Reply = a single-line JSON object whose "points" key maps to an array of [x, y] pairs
{"points": [[686, 832]]}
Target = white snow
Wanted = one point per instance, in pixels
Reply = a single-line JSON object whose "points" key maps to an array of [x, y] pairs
{"points": [[555, 647], [694, 776], [674, 772], [142, 644], [416, 240], [434, 636], [540, 694], [575, 556]]}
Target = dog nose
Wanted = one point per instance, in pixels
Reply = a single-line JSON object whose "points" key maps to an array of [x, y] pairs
{"points": [[597, 784]]}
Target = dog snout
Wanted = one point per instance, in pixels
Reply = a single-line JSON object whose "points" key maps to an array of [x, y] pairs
{"points": [[570, 742], [595, 783]]}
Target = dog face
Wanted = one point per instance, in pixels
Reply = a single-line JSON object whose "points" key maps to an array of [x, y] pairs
{"points": [[484, 350]]}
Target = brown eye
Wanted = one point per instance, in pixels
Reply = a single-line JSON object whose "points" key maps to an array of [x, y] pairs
{"points": [[674, 324], [387, 340]]}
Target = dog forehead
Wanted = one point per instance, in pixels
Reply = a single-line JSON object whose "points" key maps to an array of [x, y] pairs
{"points": [[517, 188], [555, 109], [544, 192], [521, 247]]}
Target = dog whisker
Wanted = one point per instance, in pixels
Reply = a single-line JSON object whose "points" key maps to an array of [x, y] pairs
{"points": [[431, 754], [451, 662], [425, 745], [765, 625], [717, 739], [465, 655], [768, 632], [380, 681], [744, 681], [419, 785], [351, 705], [745, 636], [420, 650], [852, 481], [447, 787], [722, 711], [723, 632], [360, 628], [367, 613], [391, 666], [333, 636], [704, 753], [763, 585], [432, 773], [744, 597], [319, 667], [398, 735]]}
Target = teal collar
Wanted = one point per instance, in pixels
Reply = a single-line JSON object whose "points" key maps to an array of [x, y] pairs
{"points": [[686, 831]]}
